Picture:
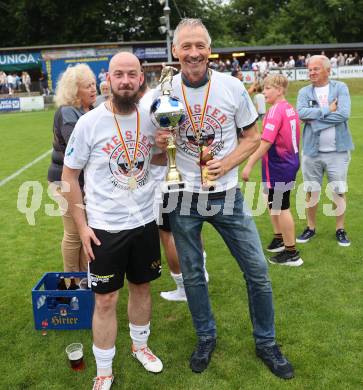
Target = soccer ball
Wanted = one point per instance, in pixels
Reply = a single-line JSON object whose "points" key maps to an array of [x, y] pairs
{"points": [[167, 112]]}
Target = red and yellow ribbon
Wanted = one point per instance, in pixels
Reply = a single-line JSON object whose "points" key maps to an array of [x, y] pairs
{"points": [[131, 163], [196, 131]]}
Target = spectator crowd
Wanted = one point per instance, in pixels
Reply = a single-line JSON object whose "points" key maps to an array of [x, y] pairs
{"points": [[261, 65], [13, 82]]}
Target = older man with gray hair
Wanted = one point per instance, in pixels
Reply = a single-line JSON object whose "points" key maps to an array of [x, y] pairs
{"points": [[216, 105], [105, 93], [324, 107]]}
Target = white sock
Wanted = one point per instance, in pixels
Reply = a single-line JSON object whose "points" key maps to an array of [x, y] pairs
{"points": [[104, 359], [139, 334], [178, 279]]}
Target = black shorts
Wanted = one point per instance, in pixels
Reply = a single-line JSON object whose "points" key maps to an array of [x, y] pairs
{"points": [[134, 252], [278, 200]]}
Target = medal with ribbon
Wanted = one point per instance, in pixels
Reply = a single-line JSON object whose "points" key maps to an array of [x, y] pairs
{"points": [[132, 183], [204, 153]]}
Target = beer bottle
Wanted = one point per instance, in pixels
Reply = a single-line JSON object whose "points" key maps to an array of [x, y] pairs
{"points": [[62, 284], [62, 287], [74, 304], [73, 285]]}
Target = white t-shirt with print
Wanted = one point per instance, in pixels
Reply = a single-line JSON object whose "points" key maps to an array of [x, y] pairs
{"points": [[327, 136], [229, 106], [95, 147]]}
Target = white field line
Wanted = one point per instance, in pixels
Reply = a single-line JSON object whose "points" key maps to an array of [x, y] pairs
{"points": [[19, 171]]}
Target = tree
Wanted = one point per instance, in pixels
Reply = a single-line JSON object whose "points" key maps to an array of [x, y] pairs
{"points": [[45, 22], [296, 21], [250, 19], [233, 23], [52, 22], [132, 20], [326, 21]]}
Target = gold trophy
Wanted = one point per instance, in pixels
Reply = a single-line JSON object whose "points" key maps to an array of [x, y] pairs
{"points": [[167, 112]]}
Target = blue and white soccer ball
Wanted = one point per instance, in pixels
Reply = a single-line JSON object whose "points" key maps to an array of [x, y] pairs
{"points": [[167, 112]]}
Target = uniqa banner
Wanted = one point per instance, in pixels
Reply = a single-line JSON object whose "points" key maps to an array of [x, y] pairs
{"points": [[19, 58]]}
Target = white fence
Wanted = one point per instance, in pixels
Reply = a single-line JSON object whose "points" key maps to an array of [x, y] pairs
{"points": [[341, 72]]}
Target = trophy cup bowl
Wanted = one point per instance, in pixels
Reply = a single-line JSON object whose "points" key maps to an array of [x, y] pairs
{"points": [[167, 112]]}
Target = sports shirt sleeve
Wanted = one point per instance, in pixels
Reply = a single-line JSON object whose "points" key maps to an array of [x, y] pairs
{"points": [[246, 111], [78, 148], [272, 124]]}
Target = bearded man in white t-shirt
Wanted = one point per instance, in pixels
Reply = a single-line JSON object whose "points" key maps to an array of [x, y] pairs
{"points": [[114, 145], [209, 150]]}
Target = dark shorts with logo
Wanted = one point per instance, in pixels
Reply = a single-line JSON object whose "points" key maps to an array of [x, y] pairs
{"points": [[278, 200], [134, 253]]}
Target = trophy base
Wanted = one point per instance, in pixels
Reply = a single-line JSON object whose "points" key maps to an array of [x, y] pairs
{"points": [[173, 176], [172, 186]]}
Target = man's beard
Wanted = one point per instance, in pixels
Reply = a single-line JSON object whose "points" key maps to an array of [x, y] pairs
{"points": [[125, 104]]}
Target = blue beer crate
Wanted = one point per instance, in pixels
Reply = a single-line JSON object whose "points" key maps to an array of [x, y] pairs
{"points": [[50, 313]]}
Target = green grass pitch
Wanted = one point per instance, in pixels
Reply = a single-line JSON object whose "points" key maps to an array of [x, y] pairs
{"points": [[318, 307]]}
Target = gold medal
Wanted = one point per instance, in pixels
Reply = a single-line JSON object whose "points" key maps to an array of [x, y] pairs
{"points": [[204, 153], [197, 130], [132, 183]]}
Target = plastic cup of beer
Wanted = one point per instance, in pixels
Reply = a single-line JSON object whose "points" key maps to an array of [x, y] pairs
{"points": [[75, 356]]}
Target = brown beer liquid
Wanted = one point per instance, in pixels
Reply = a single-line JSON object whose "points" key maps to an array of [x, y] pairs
{"points": [[62, 287], [76, 361], [73, 285]]}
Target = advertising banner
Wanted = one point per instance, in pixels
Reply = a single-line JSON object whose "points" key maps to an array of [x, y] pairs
{"points": [[112, 50], [248, 76], [70, 53], [302, 74], [146, 53], [54, 68], [349, 72], [30, 103], [10, 104], [16, 62], [19, 58]]}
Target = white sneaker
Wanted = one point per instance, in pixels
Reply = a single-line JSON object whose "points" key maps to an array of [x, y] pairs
{"points": [[144, 355], [176, 295], [206, 274], [102, 382]]}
